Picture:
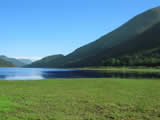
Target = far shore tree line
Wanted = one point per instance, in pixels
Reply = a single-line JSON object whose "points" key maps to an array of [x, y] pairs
{"points": [[137, 60]]}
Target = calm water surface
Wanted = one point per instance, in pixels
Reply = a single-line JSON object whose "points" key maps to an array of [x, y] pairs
{"points": [[41, 73]]}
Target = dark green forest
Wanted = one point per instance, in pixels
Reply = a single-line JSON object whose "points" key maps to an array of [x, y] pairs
{"points": [[148, 59]]}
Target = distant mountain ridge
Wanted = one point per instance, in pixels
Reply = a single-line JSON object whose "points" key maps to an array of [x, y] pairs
{"points": [[141, 33], [4, 63], [25, 61], [14, 61]]}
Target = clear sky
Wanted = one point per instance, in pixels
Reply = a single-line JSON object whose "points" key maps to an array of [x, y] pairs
{"points": [[38, 28]]}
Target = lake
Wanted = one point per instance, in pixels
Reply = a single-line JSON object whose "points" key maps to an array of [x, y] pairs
{"points": [[43, 73]]}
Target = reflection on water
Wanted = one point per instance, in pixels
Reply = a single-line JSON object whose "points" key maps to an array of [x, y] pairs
{"points": [[40, 73], [19, 74], [115, 74]]}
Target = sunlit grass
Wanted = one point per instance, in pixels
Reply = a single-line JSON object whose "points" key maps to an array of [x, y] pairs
{"points": [[80, 99]]}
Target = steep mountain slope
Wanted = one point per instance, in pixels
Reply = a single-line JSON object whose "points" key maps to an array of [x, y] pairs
{"points": [[4, 63], [134, 27], [139, 34], [140, 44], [14, 61]]}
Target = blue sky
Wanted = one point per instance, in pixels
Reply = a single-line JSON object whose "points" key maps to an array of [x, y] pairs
{"points": [[38, 28]]}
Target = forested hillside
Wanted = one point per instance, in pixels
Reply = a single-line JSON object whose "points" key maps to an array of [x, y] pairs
{"points": [[130, 44]]}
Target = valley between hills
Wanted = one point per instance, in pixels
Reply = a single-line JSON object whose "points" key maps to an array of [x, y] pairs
{"points": [[134, 47]]}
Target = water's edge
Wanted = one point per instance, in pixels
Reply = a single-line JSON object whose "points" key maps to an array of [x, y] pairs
{"points": [[44, 73]]}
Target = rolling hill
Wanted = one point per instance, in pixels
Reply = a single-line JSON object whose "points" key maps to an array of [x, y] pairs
{"points": [[131, 40], [46, 62]]}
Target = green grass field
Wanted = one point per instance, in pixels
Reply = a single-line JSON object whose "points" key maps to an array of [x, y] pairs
{"points": [[80, 99], [125, 69]]}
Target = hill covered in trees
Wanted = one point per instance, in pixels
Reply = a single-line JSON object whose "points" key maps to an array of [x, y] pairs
{"points": [[136, 42], [46, 62]]}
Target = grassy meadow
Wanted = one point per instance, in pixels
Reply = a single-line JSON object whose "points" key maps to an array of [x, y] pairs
{"points": [[125, 69], [80, 99]]}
